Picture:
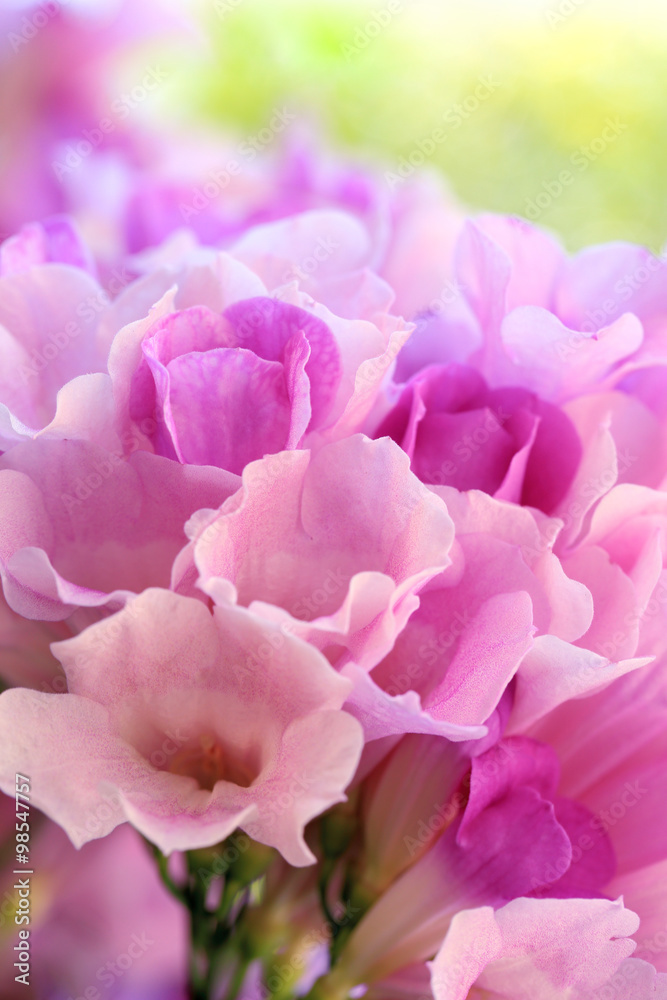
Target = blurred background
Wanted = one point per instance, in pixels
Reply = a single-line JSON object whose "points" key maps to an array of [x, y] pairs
{"points": [[521, 91], [559, 72], [552, 109]]}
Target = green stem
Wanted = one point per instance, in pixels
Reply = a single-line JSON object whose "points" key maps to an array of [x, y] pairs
{"points": [[199, 980], [229, 893], [216, 935], [238, 978], [323, 880], [182, 894]]}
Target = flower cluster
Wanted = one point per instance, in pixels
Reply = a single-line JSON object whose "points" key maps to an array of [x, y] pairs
{"points": [[333, 562]]}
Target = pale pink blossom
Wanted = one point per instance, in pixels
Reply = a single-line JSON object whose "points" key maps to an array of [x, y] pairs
{"points": [[84, 528], [189, 723], [534, 949]]}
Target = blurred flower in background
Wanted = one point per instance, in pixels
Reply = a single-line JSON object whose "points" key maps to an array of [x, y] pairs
{"points": [[549, 86], [101, 921], [566, 93]]}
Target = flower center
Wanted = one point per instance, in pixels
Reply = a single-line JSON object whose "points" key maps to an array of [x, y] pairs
{"points": [[208, 762]]}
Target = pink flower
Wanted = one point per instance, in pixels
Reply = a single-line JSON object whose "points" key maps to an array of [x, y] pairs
{"points": [[507, 442], [55, 240], [504, 609], [302, 544], [491, 830], [85, 528], [279, 370], [539, 949], [49, 316], [574, 403], [266, 369], [586, 333], [189, 723], [612, 746], [621, 558], [561, 327]]}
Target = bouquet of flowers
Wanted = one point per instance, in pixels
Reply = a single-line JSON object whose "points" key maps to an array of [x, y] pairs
{"points": [[334, 601], [358, 620]]}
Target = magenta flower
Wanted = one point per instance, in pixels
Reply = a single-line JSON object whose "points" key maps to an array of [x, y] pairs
{"points": [[506, 442], [501, 833], [279, 369]]}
